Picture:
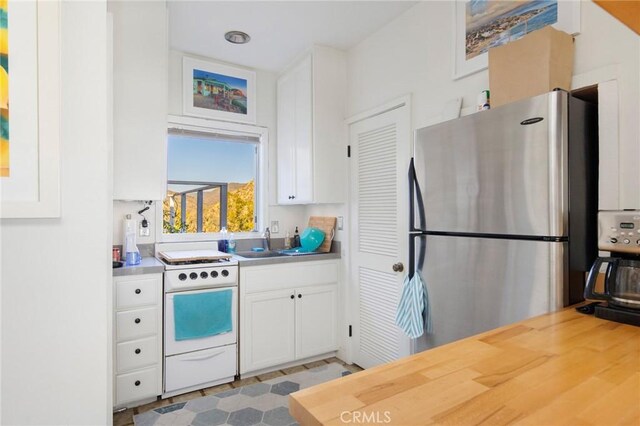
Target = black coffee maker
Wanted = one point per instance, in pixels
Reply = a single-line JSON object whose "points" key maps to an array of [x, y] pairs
{"points": [[618, 233]]}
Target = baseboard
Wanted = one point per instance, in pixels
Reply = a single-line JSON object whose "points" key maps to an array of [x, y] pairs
{"points": [[287, 365]]}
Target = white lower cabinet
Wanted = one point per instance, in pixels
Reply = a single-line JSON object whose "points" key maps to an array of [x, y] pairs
{"points": [[137, 338], [288, 312], [316, 320], [269, 321]]}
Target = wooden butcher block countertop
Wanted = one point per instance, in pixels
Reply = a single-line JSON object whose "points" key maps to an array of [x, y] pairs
{"points": [[562, 368]]}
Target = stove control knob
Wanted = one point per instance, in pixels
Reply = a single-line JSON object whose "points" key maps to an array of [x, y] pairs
{"points": [[203, 275], [225, 273], [626, 241], [613, 240], [214, 274], [638, 242], [182, 277], [193, 275]]}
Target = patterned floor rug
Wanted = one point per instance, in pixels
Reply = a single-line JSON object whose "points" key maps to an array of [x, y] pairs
{"points": [[264, 403]]}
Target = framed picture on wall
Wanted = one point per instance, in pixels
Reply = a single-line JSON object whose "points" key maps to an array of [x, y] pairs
{"points": [[218, 91], [29, 109], [482, 24]]}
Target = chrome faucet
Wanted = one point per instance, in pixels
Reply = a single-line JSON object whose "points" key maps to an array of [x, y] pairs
{"points": [[267, 238]]}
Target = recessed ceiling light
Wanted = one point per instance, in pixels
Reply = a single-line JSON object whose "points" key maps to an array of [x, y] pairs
{"points": [[237, 37]]}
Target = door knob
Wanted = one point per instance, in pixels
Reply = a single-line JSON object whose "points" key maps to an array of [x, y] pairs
{"points": [[398, 267]]}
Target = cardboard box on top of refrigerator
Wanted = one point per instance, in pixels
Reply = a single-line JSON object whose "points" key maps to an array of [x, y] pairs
{"points": [[535, 64]]}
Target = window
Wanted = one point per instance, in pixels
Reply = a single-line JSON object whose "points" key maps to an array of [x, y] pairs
{"points": [[211, 183]]}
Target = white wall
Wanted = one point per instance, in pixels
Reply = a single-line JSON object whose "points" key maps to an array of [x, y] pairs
{"points": [[55, 272], [413, 54], [288, 216], [123, 208]]}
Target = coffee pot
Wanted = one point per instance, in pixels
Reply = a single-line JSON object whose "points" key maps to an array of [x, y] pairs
{"points": [[618, 233]]}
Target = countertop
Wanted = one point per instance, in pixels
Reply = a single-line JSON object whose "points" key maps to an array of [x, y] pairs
{"points": [[151, 265], [559, 368], [148, 265], [244, 261]]}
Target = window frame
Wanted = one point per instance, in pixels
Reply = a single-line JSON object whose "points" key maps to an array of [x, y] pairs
{"points": [[176, 122]]}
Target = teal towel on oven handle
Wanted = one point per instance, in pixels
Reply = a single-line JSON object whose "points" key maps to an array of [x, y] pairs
{"points": [[202, 314]]}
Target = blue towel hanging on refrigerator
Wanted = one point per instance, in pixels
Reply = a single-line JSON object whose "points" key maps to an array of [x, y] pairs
{"points": [[413, 315]]}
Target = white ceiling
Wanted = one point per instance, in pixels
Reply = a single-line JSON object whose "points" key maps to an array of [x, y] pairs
{"points": [[279, 30]]}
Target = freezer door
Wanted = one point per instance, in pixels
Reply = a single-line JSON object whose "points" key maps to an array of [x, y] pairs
{"points": [[478, 284], [502, 171]]}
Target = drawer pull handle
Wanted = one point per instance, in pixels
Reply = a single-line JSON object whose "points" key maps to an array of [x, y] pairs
{"points": [[138, 291], [137, 383], [200, 358], [137, 320], [299, 296], [138, 351], [292, 296]]}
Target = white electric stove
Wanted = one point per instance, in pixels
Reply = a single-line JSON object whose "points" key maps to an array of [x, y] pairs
{"points": [[198, 362]]}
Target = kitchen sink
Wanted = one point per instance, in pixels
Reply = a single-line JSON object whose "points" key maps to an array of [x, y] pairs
{"points": [[259, 254]]}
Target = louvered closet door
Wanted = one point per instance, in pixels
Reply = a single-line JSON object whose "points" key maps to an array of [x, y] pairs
{"points": [[380, 156]]}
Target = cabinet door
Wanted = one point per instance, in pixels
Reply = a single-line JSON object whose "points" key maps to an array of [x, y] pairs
{"points": [[304, 133], [316, 320], [140, 98], [267, 329], [295, 149], [286, 138]]}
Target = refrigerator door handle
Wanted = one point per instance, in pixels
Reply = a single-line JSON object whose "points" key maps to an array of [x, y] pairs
{"points": [[412, 252], [415, 194]]}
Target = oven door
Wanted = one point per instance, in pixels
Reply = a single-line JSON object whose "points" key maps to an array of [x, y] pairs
{"points": [[173, 346]]}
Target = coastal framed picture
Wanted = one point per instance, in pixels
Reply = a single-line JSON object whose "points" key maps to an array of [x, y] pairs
{"points": [[29, 109], [482, 24], [218, 91]]}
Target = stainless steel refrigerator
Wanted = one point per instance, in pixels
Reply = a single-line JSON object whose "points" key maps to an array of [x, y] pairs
{"points": [[503, 213]]}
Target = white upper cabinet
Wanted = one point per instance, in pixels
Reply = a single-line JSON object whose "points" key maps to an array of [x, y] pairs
{"points": [[140, 99], [311, 138]]}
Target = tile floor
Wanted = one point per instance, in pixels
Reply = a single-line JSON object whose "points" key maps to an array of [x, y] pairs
{"points": [[126, 417]]}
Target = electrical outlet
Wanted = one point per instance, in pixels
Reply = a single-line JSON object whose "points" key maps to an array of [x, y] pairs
{"points": [[275, 226], [340, 223]]}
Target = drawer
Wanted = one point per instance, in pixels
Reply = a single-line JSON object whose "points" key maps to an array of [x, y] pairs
{"points": [[199, 367], [136, 354], [137, 385], [138, 291], [256, 279], [137, 323]]}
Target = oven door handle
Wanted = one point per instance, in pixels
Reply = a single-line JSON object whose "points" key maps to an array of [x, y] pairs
{"points": [[200, 358]]}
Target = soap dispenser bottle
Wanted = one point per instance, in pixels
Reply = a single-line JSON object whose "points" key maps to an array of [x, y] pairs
{"points": [[296, 238], [231, 246]]}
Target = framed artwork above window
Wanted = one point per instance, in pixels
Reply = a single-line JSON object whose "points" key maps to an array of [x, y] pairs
{"points": [[218, 91]]}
